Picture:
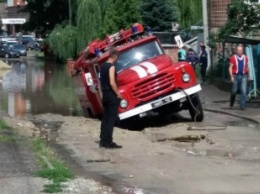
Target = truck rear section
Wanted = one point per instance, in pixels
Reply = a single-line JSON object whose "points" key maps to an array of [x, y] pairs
{"points": [[148, 79]]}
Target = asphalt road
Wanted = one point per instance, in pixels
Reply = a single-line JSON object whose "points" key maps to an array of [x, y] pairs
{"points": [[153, 162], [17, 166]]}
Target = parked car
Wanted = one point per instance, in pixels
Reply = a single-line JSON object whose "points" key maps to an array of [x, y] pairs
{"points": [[27, 38], [20, 48], [33, 45], [8, 52], [12, 42]]}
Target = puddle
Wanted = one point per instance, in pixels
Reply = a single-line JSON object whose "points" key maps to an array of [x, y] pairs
{"points": [[36, 87], [213, 153], [243, 123]]}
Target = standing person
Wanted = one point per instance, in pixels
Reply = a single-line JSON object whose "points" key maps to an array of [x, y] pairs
{"points": [[203, 63], [200, 44], [238, 71], [110, 100], [192, 58], [181, 54]]}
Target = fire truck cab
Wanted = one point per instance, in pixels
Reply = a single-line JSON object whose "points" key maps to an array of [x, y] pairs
{"points": [[148, 79]]}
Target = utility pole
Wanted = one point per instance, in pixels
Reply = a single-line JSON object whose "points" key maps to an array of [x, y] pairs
{"points": [[70, 13], [206, 28]]}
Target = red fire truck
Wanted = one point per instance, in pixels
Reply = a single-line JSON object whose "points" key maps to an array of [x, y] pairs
{"points": [[149, 81]]}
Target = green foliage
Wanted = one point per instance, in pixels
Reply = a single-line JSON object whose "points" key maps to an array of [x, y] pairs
{"points": [[190, 12], [63, 40], [7, 138], [121, 15], [45, 14], [243, 18], [159, 14], [3, 125], [60, 173], [212, 40], [88, 22]]}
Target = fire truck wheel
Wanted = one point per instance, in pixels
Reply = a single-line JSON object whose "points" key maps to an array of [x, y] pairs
{"points": [[195, 109]]}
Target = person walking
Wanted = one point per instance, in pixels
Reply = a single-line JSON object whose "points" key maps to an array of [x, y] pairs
{"points": [[238, 71], [110, 100], [203, 63], [192, 58]]}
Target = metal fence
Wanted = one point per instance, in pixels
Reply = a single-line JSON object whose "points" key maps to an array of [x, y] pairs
{"points": [[186, 34], [219, 68]]}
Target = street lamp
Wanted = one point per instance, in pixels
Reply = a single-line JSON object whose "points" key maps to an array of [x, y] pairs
{"points": [[70, 14], [206, 27]]}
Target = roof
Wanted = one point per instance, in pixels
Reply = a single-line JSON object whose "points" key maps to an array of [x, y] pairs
{"points": [[240, 40]]}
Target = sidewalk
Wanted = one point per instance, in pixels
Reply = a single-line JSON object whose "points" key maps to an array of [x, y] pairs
{"points": [[216, 100]]}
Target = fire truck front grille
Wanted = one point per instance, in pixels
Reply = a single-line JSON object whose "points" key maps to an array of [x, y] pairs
{"points": [[152, 86]]}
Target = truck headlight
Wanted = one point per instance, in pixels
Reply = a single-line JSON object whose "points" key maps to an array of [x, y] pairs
{"points": [[123, 103], [186, 77]]}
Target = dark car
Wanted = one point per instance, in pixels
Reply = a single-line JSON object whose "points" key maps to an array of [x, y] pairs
{"points": [[20, 48], [33, 45], [26, 39], [8, 52]]}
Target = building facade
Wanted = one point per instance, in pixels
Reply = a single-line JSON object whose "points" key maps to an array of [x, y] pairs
{"points": [[13, 16], [217, 13]]}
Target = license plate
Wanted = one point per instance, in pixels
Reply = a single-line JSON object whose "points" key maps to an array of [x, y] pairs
{"points": [[162, 102]]}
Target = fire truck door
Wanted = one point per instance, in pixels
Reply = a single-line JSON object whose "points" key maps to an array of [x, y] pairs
{"points": [[91, 84], [97, 71]]}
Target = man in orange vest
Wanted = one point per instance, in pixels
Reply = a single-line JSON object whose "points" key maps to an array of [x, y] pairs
{"points": [[238, 71]]}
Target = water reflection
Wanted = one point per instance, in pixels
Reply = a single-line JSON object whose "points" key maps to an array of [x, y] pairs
{"points": [[37, 87]]}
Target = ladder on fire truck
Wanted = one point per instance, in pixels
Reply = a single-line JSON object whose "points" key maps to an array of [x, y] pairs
{"points": [[97, 47]]}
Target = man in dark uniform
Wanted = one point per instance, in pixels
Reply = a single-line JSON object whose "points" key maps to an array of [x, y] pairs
{"points": [[110, 100], [192, 58], [203, 63]]}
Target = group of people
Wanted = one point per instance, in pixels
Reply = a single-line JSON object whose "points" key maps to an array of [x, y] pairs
{"points": [[193, 59]]}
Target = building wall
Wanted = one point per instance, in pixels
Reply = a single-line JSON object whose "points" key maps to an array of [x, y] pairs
{"points": [[11, 3], [3, 12], [218, 12]]}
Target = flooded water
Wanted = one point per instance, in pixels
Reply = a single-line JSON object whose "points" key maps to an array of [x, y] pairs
{"points": [[37, 87]]}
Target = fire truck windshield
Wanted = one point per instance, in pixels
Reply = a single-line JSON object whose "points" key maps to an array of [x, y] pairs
{"points": [[138, 54]]}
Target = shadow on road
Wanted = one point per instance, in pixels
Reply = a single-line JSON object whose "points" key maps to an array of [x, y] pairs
{"points": [[154, 121]]}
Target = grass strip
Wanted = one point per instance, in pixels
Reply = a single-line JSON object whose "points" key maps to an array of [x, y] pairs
{"points": [[59, 174], [6, 138], [3, 125]]}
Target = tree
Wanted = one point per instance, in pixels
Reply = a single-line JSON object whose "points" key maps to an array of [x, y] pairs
{"points": [[89, 22], [243, 18], [121, 15], [63, 41], [159, 14], [45, 14], [66, 41], [190, 12]]}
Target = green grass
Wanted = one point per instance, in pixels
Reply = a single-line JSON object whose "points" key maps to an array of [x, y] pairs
{"points": [[59, 174], [3, 125], [40, 54], [6, 138]]}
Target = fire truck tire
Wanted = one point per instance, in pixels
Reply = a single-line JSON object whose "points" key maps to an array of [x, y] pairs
{"points": [[195, 109]]}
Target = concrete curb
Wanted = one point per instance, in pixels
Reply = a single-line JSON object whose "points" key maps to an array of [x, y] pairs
{"points": [[232, 114]]}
